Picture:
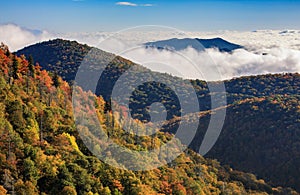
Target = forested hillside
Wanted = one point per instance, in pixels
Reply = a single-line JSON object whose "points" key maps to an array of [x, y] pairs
{"points": [[41, 152], [261, 131], [63, 57], [260, 135]]}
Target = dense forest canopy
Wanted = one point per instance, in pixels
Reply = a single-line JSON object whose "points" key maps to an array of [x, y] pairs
{"points": [[42, 153], [272, 101]]}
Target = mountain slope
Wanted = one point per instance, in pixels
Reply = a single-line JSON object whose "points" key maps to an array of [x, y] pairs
{"points": [[263, 136], [198, 44], [281, 87], [41, 152], [57, 55], [64, 57], [260, 135]]}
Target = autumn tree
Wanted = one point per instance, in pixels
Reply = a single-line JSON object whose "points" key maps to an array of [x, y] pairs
{"points": [[69, 190]]}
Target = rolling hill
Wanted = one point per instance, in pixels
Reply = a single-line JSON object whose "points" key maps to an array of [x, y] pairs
{"points": [[42, 153], [261, 130]]}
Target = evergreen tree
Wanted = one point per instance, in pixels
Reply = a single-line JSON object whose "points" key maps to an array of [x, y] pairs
{"points": [[55, 79], [15, 68], [7, 53], [31, 66]]}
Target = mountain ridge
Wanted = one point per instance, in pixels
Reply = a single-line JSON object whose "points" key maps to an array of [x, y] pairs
{"points": [[196, 43]]}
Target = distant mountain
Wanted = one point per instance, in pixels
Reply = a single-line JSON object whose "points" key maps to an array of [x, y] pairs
{"points": [[262, 122], [198, 44]]}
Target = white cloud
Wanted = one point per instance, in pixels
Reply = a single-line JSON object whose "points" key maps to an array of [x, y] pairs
{"points": [[251, 40], [210, 64], [17, 37], [147, 5], [124, 3], [256, 39], [215, 65], [91, 39], [282, 49]]}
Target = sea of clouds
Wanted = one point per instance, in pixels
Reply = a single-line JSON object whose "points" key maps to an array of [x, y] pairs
{"points": [[17, 37], [265, 51]]}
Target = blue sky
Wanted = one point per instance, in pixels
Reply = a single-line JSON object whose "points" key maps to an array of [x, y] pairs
{"points": [[106, 15]]}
